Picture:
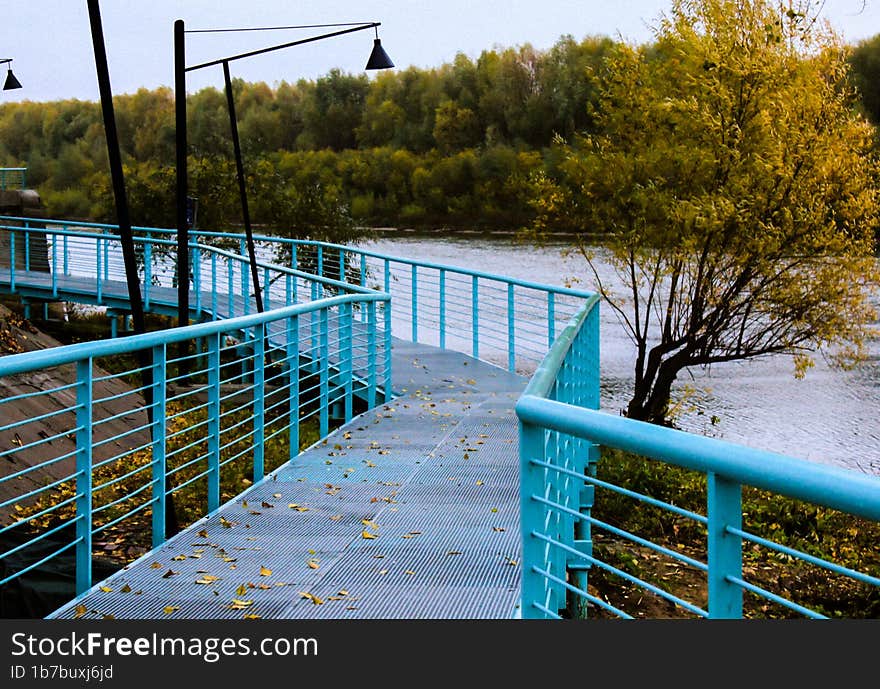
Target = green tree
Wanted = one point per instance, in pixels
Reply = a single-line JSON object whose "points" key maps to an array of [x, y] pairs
{"points": [[736, 185], [865, 61]]}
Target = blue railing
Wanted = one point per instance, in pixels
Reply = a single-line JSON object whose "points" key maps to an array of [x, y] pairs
{"points": [[560, 432], [138, 420], [13, 178], [505, 321]]}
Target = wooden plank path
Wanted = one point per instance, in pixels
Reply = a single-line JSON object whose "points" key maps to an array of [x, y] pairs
{"points": [[411, 511]]}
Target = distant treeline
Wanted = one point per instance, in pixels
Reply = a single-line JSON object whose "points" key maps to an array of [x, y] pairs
{"points": [[451, 146]]}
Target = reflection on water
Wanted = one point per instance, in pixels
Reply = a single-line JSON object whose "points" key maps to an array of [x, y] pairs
{"points": [[830, 416]]}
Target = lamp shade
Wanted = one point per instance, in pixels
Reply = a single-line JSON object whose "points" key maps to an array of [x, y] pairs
{"points": [[11, 82], [379, 58]]}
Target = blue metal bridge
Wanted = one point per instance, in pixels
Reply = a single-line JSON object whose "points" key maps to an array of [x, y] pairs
{"points": [[453, 472]]}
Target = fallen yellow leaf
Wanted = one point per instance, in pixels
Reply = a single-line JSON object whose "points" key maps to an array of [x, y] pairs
{"points": [[311, 597], [313, 564], [168, 609], [106, 589], [80, 610], [367, 534], [265, 572]]}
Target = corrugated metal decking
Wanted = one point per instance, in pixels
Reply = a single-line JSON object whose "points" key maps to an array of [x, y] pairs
{"points": [[434, 472]]}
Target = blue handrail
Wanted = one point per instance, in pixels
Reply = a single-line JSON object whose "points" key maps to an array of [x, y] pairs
{"points": [[561, 430]]}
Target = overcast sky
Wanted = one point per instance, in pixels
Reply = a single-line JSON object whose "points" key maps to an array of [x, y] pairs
{"points": [[51, 45]]}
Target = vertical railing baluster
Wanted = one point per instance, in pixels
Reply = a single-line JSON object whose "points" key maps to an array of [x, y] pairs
{"points": [[12, 261], [342, 265], [372, 362], [54, 268], [148, 271], [389, 390], [259, 401], [363, 276], [214, 314], [157, 445], [65, 260], [98, 267], [414, 295], [293, 368], [197, 278], [442, 309], [213, 364], [27, 248], [551, 318], [724, 501], [511, 330], [245, 292], [320, 261], [230, 286], [532, 517], [323, 364], [346, 354], [83, 475], [267, 297], [475, 318]]}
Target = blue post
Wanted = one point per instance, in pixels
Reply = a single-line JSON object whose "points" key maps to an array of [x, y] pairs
{"points": [[245, 294], [54, 271], [293, 388], [387, 276], [27, 248], [363, 270], [214, 314], [98, 267], [288, 292], [320, 260], [389, 390], [293, 256], [346, 354], [212, 344], [148, 271], [415, 303], [83, 475], [259, 402], [475, 318], [342, 265], [12, 262], [551, 318], [323, 364], [532, 516], [157, 435], [230, 280], [725, 549], [511, 330], [65, 262], [442, 309], [197, 277], [372, 326], [266, 290]]}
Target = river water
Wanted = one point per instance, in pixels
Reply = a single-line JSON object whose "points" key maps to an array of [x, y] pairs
{"points": [[829, 416]]}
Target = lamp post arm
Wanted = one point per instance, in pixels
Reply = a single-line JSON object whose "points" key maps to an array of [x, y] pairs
{"points": [[361, 27]]}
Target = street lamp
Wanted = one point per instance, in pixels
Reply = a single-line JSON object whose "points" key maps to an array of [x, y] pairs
{"points": [[378, 60], [11, 82]]}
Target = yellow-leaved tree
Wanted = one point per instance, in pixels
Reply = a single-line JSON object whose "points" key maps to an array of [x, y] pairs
{"points": [[736, 186]]}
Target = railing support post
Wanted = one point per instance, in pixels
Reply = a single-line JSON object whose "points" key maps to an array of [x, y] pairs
{"points": [[157, 434], [535, 592], [346, 356], [213, 346], [725, 549], [293, 387], [83, 475], [259, 402], [323, 366]]}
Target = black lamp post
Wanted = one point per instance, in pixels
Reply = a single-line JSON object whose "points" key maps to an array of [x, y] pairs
{"points": [[378, 60], [11, 82]]}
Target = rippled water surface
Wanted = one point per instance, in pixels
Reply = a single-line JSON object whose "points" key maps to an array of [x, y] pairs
{"points": [[830, 416]]}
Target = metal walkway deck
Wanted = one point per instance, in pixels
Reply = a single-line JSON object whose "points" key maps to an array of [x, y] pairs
{"points": [[409, 511]]}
